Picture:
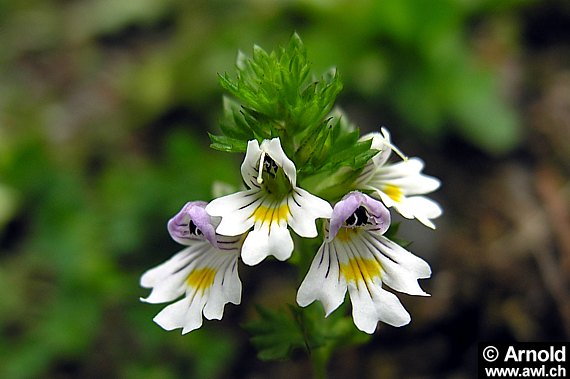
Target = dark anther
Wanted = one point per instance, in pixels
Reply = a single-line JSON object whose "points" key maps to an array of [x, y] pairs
{"points": [[194, 229], [269, 166], [358, 218]]}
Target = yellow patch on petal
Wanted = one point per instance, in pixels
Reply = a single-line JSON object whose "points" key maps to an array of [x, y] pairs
{"points": [[270, 214], [360, 269], [394, 192], [346, 234], [201, 278]]}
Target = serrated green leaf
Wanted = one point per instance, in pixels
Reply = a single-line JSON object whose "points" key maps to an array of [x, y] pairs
{"points": [[276, 94], [226, 83], [261, 125], [354, 156], [312, 146]]}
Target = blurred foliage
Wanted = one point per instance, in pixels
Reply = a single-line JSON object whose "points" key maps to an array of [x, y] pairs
{"points": [[104, 108]]}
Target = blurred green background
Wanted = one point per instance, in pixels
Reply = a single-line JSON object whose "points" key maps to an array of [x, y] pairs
{"points": [[104, 112]]}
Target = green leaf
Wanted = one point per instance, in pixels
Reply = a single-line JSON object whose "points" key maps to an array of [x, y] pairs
{"points": [[278, 333], [233, 124], [312, 146], [227, 144], [343, 149], [274, 95]]}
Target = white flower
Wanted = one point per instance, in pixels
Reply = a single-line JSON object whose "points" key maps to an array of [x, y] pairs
{"points": [[271, 204], [399, 184], [356, 256], [204, 273]]}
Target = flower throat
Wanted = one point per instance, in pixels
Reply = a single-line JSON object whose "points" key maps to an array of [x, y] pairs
{"points": [[272, 178]]}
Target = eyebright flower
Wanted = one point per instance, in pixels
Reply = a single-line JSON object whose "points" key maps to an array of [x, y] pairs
{"points": [[271, 204], [205, 272], [356, 255], [399, 184]]}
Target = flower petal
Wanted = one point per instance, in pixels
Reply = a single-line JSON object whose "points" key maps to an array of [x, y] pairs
{"points": [[370, 303], [203, 274], [249, 167], [267, 239], [236, 210], [192, 223], [323, 281], [273, 148], [167, 279], [185, 313], [381, 142], [382, 246], [225, 289], [361, 260], [419, 207], [406, 176], [400, 268], [376, 305], [305, 208], [377, 215], [396, 183], [425, 209]]}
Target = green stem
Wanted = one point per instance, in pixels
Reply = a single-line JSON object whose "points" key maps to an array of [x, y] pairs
{"points": [[319, 359]]}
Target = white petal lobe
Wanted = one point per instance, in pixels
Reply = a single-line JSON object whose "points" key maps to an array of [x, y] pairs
{"points": [[323, 281], [206, 278]]}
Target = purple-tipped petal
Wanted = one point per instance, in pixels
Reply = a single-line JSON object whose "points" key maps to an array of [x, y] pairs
{"points": [[377, 214], [192, 223], [342, 211]]}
